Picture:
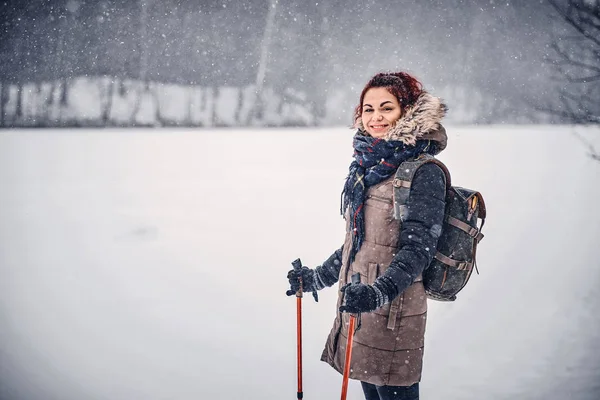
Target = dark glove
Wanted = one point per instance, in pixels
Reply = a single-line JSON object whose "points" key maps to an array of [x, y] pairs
{"points": [[308, 281], [359, 297]]}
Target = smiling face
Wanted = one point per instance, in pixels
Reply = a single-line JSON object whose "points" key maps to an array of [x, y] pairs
{"points": [[380, 111]]}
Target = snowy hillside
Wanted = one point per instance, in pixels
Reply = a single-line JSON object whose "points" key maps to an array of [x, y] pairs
{"points": [[150, 264]]}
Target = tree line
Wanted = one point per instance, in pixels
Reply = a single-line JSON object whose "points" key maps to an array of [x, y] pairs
{"points": [[494, 61]]}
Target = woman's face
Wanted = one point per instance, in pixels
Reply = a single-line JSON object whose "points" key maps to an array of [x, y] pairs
{"points": [[380, 111]]}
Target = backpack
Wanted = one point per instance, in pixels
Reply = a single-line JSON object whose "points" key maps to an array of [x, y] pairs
{"points": [[453, 263]]}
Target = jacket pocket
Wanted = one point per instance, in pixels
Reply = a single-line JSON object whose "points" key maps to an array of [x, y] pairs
{"points": [[379, 202], [372, 273]]}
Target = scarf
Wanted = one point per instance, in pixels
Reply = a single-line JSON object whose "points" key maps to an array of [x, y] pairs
{"points": [[375, 160]]}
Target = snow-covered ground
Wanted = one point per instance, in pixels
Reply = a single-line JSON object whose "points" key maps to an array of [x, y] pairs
{"points": [[150, 264]]}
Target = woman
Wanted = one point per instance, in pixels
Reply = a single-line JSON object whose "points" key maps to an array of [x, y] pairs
{"points": [[397, 121]]}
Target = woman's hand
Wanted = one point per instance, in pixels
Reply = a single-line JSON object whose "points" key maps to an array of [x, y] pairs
{"points": [[308, 280], [359, 297]]}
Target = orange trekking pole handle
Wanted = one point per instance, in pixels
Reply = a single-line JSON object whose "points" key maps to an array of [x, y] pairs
{"points": [[297, 267], [355, 279]]}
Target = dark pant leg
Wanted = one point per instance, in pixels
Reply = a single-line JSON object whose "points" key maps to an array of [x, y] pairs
{"points": [[370, 391], [398, 392]]}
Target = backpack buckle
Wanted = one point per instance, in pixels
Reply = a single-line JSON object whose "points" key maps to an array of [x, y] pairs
{"points": [[399, 183], [462, 266]]}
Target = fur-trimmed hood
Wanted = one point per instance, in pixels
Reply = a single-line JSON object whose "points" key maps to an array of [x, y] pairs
{"points": [[421, 121]]}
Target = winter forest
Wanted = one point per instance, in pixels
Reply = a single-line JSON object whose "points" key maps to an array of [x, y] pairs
{"points": [[216, 63]]}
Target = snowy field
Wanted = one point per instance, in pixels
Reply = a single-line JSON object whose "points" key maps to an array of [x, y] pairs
{"points": [[150, 264]]}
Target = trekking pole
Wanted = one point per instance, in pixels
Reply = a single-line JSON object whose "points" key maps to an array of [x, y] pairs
{"points": [[353, 317], [297, 267]]}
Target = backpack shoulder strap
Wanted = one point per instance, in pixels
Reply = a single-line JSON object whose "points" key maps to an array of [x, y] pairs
{"points": [[403, 180]]}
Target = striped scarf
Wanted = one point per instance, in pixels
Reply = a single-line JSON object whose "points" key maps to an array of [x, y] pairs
{"points": [[375, 160]]}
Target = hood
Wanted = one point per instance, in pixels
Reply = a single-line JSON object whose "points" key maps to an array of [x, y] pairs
{"points": [[421, 121]]}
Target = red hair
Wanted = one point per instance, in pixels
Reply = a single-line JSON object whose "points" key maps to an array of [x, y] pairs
{"points": [[405, 87]]}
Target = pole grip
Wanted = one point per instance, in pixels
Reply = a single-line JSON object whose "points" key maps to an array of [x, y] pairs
{"points": [[355, 278], [297, 264]]}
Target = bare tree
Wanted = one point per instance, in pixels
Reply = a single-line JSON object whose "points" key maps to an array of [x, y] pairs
{"points": [[592, 152], [576, 56], [143, 60], [257, 109]]}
